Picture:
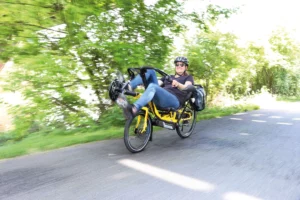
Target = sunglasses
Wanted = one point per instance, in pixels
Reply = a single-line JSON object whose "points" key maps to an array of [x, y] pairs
{"points": [[179, 65]]}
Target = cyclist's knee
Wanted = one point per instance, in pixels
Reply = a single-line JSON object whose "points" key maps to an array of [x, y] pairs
{"points": [[151, 71], [151, 89], [153, 86]]}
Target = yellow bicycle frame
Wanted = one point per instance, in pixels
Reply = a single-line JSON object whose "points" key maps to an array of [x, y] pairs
{"points": [[171, 116]]}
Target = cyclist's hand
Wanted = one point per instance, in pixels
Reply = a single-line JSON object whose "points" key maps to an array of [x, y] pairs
{"points": [[175, 83]]}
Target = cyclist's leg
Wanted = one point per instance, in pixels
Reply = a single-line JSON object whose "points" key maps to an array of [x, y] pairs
{"points": [[160, 96], [165, 99], [129, 111], [150, 77]]}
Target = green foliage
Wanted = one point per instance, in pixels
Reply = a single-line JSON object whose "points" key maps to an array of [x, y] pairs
{"points": [[112, 117], [42, 141], [288, 98], [286, 68], [31, 16], [287, 48], [277, 68], [214, 112], [212, 56], [64, 71], [223, 67], [249, 76]]}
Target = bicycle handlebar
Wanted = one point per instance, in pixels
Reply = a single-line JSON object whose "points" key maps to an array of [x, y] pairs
{"points": [[131, 93], [142, 71]]}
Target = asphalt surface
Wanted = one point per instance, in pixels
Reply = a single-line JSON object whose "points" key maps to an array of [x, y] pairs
{"points": [[252, 155]]}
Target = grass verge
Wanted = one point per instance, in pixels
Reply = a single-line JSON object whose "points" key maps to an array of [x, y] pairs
{"points": [[214, 112], [288, 98], [38, 142]]}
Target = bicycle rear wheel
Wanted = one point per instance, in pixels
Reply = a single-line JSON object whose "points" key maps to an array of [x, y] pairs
{"points": [[137, 133], [186, 125]]}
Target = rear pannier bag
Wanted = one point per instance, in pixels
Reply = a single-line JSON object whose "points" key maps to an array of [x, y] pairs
{"points": [[198, 98]]}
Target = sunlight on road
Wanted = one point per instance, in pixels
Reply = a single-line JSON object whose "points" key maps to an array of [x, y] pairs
{"points": [[171, 177], [240, 114], [236, 119], [259, 121], [257, 115], [284, 123], [245, 134], [181, 180], [275, 117], [238, 196]]}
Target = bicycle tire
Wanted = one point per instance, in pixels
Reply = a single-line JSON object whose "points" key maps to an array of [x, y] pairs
{"points": [[184, 130], [131, 133]]}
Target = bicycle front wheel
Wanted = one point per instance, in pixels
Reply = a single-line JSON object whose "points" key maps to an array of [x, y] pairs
{"points": [[137, 133], [186, 125]]}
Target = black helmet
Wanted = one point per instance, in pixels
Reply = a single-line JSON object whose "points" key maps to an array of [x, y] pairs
{"points": [[182, 59]]}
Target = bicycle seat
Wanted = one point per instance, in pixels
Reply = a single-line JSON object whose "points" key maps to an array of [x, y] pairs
{"points": [[168, 109]]}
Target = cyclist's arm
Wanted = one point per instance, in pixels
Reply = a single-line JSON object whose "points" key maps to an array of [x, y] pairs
{"points": [[183, 86]]}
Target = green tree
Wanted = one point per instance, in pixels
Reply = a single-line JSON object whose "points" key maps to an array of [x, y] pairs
{"points": [[55, 65], [285, 66], [256, 67], [276, 68], [212, 56]]}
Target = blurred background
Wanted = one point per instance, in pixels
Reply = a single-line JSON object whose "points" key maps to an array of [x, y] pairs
{"points": [[58, 57]]}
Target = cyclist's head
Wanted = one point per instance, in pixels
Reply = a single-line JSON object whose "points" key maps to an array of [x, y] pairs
{"points": [[182, 59], [181, 65]]}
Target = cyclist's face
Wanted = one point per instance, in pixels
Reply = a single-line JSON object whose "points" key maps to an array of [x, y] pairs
{"points": [[180, 67]]}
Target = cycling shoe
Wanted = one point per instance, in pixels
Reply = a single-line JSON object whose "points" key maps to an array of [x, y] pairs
{"points": [[127, 108]]}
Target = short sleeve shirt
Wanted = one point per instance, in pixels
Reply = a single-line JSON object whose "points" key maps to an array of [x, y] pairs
{"points": [[174, 90]]}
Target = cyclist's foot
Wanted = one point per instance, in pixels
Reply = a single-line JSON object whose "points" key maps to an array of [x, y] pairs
{"points": [[128, 110]]}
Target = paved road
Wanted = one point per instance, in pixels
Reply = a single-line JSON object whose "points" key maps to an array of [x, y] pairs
{"points": [[253, 155]]}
